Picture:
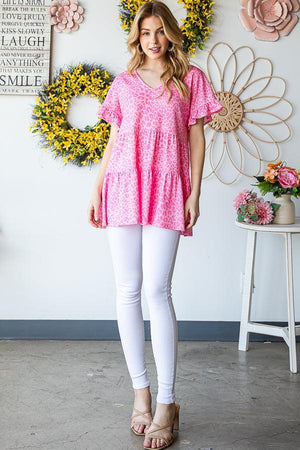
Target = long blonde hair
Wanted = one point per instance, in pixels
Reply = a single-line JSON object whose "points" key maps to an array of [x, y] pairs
{"points": [[177, 62]]}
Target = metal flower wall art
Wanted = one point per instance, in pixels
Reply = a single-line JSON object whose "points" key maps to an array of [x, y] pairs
{"points": [[253, 120], [269, 19], [65, 16]]}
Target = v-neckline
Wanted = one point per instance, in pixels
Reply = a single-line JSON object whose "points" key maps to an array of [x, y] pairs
{"points": [[150, 87]]}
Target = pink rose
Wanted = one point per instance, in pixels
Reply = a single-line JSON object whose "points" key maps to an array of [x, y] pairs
{"points": [[287, 178]]}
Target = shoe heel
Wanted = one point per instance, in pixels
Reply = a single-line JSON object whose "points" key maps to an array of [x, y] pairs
{"points": [[176, 418]]}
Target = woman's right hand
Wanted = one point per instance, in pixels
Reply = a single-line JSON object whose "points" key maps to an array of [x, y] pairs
{"points": [[93, 210]]}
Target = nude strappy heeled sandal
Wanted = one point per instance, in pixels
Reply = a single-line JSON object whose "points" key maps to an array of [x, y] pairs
{"points": [[147, 419], [167, 435]]}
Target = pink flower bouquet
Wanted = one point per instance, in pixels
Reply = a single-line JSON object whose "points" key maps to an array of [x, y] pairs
{"points": [[279, 179], [253, 209]]}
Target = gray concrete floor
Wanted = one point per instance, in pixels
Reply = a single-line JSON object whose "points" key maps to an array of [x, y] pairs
{"points": [[67, 395]]}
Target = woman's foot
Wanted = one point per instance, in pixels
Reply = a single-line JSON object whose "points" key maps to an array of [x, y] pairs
{"points": [[142, 402], [164, 414]]}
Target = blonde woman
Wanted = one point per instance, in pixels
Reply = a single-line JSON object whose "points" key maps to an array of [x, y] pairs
{"points": [[144, 197]]}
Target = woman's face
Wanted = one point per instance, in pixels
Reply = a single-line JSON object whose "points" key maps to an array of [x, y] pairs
{"points": [[152, 36]]}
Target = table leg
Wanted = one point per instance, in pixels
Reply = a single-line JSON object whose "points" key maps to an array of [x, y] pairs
{"points": [[247, 290], [290, 298]]}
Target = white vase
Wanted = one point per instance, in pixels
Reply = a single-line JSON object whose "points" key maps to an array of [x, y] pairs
{"points": [[285, 214]]}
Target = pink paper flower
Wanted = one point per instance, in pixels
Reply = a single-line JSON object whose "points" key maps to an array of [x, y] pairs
{"points": [[65, 16], [269, 18], [287, 178], [242, 198]]}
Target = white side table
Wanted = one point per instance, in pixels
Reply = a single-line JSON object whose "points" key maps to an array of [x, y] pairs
{"points": [[290, 332]]}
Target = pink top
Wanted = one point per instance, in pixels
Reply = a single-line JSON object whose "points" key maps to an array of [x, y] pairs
{"points": [[147, 176]]}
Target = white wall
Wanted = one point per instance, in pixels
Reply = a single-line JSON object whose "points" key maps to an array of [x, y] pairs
{"points": [[54, 265]]}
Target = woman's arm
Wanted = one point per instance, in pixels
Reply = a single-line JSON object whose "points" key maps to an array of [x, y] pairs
{"points": [[197, 151], [93, 209]]}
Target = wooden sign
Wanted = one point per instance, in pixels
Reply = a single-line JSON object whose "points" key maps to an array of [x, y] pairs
{"points": [[25, 35]]}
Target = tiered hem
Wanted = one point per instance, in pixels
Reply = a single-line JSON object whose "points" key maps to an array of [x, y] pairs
{"points": [[188, 232], [144, 197]]}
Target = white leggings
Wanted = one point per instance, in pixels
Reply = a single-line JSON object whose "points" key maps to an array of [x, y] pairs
{"points": [[146, 253]]}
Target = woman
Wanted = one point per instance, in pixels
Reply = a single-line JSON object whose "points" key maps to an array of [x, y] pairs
{"points": [[143, 196]]}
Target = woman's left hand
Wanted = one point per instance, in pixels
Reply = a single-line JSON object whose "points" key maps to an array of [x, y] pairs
{"points": [[191, 211]]}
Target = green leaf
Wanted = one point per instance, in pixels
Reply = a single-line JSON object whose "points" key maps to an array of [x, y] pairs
{"points": [[254, 216], [241, 217], [243, 208], [265, 187], [260, 178], [275, 206]]}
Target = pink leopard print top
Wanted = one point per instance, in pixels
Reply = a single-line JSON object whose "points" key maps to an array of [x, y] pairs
{"points": [[147, 176]]}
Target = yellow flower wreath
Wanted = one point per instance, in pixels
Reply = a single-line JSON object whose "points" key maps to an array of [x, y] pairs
{"points": [[80, 147], [195, 28]]}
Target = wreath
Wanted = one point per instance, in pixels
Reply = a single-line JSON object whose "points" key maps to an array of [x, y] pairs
{"points": [[195, 28], [80, 147]]}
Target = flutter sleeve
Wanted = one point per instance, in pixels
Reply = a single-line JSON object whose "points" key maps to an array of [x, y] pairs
{"points": [[203, 102], [110, 109]]}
